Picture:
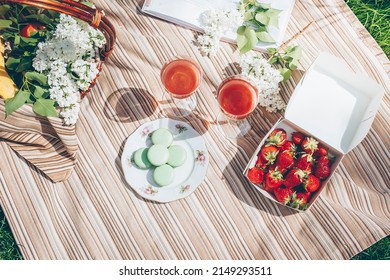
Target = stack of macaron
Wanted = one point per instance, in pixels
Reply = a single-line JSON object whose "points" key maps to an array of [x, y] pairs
{"points": [[162, 156]]}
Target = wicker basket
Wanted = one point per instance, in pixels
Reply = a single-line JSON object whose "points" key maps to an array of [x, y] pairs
{"points": [[94, 17]]}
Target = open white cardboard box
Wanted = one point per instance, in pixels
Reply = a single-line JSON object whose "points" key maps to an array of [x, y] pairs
{"points": [[332, 104]]}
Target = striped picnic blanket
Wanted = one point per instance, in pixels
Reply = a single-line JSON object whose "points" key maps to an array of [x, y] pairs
{"points": [[94, 214]]}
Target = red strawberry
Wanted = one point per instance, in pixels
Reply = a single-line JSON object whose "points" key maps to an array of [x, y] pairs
{"points": [[325, 160], [285, 160], [288, 146], [260, 163], [322, 169], [294, 177], [309, 145], [305, 162], [311, 183], [268, 154], [322, 151], [255, 175], [283, 194], [277, 137], [299, 200], [297, 137], [273, 179]]}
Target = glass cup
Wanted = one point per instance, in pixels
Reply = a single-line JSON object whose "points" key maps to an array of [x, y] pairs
{"points": [[181, 77], [237, 98]]}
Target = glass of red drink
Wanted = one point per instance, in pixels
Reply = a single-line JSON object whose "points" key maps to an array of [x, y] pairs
{"points": [[237, 98], [181, 77]]}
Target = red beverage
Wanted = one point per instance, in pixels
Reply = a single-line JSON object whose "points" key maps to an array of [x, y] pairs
{"points": [[237, 97], [181, 77]]}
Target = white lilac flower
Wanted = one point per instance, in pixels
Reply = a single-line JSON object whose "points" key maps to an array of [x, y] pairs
{"points": [[267, 80], [215, 24], [68, 59], [70, 114]]}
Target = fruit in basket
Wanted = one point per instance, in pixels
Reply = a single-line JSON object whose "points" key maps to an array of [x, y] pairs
{"points": [[311, 183], [283, 194], [300, 200], [322, 151], [297, 137], [30, 29], [294, 178], [309, 145], [322, 169], [7, 85], [268, 154], [277, 137], [273, 179], [288, 146], [255, 175], [292, 169], [305, 162], [285, 159]]}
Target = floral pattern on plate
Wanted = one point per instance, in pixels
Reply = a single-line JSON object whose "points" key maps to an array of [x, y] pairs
{"points": [[187, 177]]}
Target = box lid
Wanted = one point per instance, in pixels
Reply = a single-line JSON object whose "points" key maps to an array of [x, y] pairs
{"points": [[335, 104]]}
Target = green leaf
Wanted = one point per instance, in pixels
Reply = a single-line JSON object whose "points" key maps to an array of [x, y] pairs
{"points": [[12, 63], [24, 65], [13, 104], [4, 9], [246, 39], [265, 37], [293, 57], [248, 16], [45, 107], [38, 77], [89, 4], [16, 41], [42, 18], [263, 18], [40, 92], [5, 23], [286, 73], [271, 51]]}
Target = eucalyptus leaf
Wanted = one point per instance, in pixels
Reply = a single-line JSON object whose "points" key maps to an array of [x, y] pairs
{"points": [[45, 107], [265, 37], [13, 104], [38, 77]]}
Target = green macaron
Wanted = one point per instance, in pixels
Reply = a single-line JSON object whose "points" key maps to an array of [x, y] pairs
{"points": [[140, 158], [163, 175], [177, 156], [162, 136], [158, 155]]}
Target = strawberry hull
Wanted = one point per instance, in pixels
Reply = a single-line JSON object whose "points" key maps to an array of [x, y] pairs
{"points": [[346, 107]]}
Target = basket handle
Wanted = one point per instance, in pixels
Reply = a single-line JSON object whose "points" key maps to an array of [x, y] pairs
{"points": [[94, 17]]}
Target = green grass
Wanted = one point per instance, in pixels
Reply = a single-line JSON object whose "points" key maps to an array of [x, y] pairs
{"points": [[8, 248], [375, 16]]}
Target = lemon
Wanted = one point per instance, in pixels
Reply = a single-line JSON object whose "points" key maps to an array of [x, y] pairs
{"points": [[7, 86]]}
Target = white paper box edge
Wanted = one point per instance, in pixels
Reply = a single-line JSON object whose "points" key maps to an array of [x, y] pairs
{"points": [[334, 103]]}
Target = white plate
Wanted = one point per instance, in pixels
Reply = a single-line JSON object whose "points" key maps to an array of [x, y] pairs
{"points": [[188, 13], [187, 177]]}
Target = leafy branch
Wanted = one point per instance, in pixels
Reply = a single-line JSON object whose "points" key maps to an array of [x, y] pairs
{"points": [[258, 17], [286, 61]]}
